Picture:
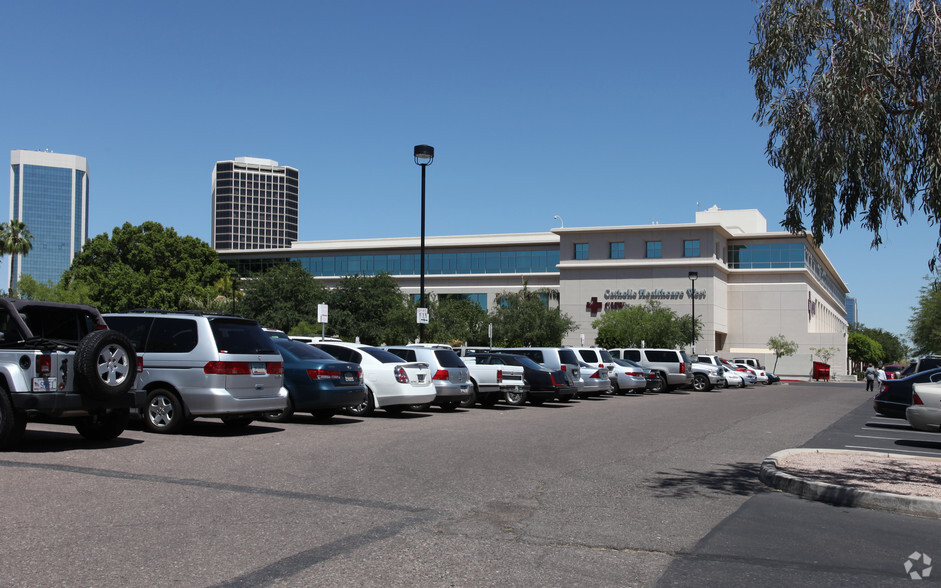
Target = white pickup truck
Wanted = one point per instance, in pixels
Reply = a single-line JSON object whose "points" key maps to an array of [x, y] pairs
{"points": [[493, 382]]}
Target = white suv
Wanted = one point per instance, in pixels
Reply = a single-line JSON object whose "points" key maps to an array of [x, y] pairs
{"points": [[196, 364]]}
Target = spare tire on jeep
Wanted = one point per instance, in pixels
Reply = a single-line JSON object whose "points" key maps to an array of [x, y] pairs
{"points": [[105, 365]]}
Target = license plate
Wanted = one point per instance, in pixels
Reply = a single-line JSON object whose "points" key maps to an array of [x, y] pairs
{"points": [[349, 378], [259, 369], [465, 390], [421, 377], [44, 384]]}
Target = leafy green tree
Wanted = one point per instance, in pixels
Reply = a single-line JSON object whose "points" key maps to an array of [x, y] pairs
{"points": [[456, 321], [524, 318], [282, 297], [652, 324], [925, 323], [893, 349], [863, 349], [372, 308], [75, 293], [782, 347], [145, 266], [825, 353], [850, 91]]}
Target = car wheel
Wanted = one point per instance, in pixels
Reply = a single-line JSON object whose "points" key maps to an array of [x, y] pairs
{"points": [[657, 385], [103, 427], [450, 405], [105, 364], [163, 412], [742, 384], [323, 415], [364, 408], [515, 398], [237, 421], [471, 399], [700, 383], [280, 416], [12, 422]]}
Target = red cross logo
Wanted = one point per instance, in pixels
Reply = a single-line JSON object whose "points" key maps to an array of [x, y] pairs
{"points": [[594, 306]]}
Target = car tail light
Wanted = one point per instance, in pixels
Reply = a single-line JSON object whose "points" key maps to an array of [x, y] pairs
{"points": [[552, 378], [140, 364], [44, 364], [101, 327], [227, 368], [441, 375], [563, 368], [323, 374], [400, 376], [499, 376], [682, 368], [274, 367], [916, 399], [595, 375]]}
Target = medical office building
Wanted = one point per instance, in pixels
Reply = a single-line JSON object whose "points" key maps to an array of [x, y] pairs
{"points": [[750, 284]]}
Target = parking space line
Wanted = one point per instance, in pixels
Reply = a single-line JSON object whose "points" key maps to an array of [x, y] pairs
{"points": [[874, 437], [894, 450]]}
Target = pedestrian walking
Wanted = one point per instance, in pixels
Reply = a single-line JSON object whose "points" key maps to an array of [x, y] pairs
{"points": [[870, 377], [880, 377]]}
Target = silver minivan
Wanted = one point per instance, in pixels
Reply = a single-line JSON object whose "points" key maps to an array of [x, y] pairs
{"points": [[448, 373], [193, 364]]}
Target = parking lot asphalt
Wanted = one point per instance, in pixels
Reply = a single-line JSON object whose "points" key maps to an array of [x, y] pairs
{"points": [[600, 492]]}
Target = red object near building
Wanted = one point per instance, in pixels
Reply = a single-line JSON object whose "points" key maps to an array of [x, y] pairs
{"points": [[821, 371]]}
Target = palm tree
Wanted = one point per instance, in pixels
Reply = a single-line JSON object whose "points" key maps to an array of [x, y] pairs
{"points": [[15, 238]]}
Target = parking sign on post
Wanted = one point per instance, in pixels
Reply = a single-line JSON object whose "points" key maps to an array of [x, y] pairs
{"points": [[423, 316]]}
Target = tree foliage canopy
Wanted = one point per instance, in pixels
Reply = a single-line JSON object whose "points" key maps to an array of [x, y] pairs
{"points": [[282, 297], [146, 266], [650, 323], [851, 92], [925, 324], [372, 308], [864, 349], [782, 347], [524, 318], [893, 348]]}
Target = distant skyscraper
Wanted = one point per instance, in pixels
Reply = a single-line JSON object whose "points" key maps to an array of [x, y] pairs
{"points": [[852, 316], [48, 192], [254, 204]]}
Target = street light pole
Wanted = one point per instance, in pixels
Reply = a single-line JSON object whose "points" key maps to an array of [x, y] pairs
{"points": [[692, 320], [424, 155]]}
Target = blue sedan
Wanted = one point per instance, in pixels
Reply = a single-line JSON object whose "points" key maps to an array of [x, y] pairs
{"points": [[316, 382]]}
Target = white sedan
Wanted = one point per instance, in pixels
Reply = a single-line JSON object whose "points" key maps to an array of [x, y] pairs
{"points": [[925, 412], [391, 382], [732, 378]]}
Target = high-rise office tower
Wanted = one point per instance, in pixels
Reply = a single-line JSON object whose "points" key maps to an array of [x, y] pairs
{"points": [[254, 204], [49, 193]]}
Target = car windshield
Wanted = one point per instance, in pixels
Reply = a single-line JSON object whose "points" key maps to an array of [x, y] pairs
{"points": [[301, 350], [381, 355]]}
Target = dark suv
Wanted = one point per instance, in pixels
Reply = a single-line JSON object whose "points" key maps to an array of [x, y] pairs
{"points": [[60, 363]]}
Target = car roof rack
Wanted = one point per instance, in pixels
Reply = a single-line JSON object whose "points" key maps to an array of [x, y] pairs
{"points": [[191, 312]]}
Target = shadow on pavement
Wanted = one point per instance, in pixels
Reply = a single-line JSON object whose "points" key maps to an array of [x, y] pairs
{"points": [[740, 479]]}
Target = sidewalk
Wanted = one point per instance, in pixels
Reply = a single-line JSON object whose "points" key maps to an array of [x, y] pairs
{"points": [[881, 481]]}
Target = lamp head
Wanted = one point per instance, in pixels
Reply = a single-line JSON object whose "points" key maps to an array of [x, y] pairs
{"points": [[693, 275], [424, 154]]}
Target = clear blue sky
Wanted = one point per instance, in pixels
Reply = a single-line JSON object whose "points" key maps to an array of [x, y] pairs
{"points": [[604, 113]]}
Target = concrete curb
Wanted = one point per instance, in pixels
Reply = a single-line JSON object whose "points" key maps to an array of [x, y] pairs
{"points": [[836, 495]]}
